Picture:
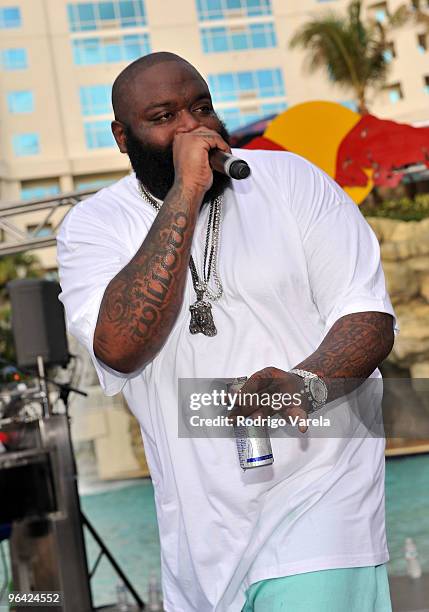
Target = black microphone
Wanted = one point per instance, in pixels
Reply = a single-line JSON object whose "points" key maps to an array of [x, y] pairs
{"points": [[228, 164]]}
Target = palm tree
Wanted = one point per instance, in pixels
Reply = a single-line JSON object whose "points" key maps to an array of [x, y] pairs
{"points": [[352, 51], [417, 13]]}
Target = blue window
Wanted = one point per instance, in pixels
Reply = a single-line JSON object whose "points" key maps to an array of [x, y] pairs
{"points": [[41, 232], [272, 109], [14, 59], [380, 15], [225, 9], [98, 135], [113, 52], [394, 96], [252, 36], [81, 17], [39, 191], [95, 99], [20, 101], [231, 86], [10, 17], [214, 40], [135, 46], [223, 87], [395, 93], [127, 12], [262, 35], [388, 55], [90, 51], [83, 185], [422, 43], [107, 11], [238, 117], [351, 104], [88, 16], [26, 144]]}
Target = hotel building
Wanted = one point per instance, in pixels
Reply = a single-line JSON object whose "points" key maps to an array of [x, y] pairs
{"points": [[58, 59]]}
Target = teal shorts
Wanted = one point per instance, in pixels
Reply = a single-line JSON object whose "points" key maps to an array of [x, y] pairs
{"points": [[355, 589]]}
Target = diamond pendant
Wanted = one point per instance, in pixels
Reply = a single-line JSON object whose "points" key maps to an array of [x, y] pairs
{"points": [[202, 318]]}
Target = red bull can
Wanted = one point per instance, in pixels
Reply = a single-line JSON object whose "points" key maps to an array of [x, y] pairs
{"points": [[253, 442]]}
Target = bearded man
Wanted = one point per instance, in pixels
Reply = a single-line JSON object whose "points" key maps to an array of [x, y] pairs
{"points": [[287, 274]]}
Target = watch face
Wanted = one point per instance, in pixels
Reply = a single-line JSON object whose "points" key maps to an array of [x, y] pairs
{"points": [[318, 390]]}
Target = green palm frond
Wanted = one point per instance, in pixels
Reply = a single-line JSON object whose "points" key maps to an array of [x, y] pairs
{"points": [[350, 50], [417, 13], [401, 16], [20, 265]]}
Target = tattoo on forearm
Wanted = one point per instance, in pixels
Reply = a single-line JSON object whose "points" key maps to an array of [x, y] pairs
{"points": [[354, 347], [142, 300], [141, 303]]}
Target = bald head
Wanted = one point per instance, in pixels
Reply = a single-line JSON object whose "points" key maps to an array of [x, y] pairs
{"points": [[155, 98], [123, 89]]}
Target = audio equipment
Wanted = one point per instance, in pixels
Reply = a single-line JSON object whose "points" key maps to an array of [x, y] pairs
{"points": [[38, 322]]}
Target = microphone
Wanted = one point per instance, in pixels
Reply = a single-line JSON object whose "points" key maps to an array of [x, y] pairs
{"points": [[228, 164]]}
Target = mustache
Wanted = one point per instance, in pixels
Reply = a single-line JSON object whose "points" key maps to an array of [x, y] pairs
{"points": [[154, 166]]}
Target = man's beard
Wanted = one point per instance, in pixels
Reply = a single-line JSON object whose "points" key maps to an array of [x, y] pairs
{"points": [[154, 166]]}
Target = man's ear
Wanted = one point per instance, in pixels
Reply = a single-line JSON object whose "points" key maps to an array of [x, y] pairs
{"points": [[118, 130]]}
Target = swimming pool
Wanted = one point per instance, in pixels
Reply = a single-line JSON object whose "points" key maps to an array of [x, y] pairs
{"points": [[125, 518]]}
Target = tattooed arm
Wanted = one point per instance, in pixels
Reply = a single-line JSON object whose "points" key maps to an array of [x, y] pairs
{"points": [[352, 349], [355, 345], [142, 301]]}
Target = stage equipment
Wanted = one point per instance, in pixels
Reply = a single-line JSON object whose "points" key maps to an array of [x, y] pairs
{"points": [[38, 322], [38, 480]]}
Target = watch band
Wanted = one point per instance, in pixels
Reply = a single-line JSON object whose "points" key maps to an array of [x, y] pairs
{"points": [[310, 379]]}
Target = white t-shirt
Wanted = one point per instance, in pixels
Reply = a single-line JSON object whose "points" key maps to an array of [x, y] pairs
{"points": [[295, 255]]}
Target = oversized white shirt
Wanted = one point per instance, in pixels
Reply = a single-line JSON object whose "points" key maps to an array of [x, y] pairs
{"points": [[295, 255]]}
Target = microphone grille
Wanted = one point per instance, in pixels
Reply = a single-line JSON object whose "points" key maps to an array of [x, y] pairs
{"points": [[239, 170]]}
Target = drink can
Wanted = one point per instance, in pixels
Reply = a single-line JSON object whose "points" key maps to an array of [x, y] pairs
{"points": [[253, 442]]}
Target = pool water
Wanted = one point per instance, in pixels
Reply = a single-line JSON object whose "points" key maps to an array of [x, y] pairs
{"points": [[125, 518], [407, 509]]}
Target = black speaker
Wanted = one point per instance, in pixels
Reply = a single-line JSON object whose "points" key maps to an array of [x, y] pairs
{"points": [[38, 323]]}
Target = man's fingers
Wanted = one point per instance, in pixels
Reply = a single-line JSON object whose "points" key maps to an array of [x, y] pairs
{"points": [[243, 409], [246, 401], [257, 382], [250, 400], [295, 412], [211, 138]]}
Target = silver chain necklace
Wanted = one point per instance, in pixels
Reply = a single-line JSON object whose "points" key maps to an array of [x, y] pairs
{"points": [[201, 311]]}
